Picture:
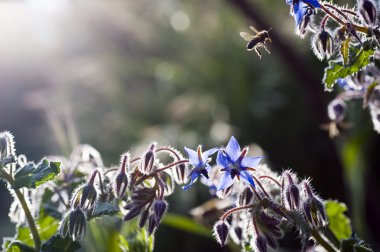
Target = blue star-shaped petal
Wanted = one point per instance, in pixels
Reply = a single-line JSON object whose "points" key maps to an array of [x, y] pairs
{"points": [[300, 7], [235, 164], [199, 161]]}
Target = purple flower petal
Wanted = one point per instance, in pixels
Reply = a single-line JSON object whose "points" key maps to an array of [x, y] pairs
{"points": [[233, 149], [222, 160], [314, 3], [247, 177], [208, 153], [193, 157], [194, 176], [251, 162], [225, 181]]}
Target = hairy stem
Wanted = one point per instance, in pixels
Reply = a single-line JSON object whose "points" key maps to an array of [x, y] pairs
{"points": [[229, 212], [337, 19], [28, 214], [321, 241], [31, 223]]}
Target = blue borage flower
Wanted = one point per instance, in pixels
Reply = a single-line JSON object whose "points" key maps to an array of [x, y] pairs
{"points": [[300, 8], [235, 164], [199, 161]]}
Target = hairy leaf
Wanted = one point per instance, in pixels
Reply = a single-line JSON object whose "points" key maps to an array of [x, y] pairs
{"points": [[58, 244], [105, 208], [336, 70], [32, 176], [339, 223]]}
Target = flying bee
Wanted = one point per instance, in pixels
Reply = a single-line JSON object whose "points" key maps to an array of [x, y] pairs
{"points": [[256, 41]]}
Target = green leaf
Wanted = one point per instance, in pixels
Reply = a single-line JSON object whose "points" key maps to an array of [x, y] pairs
{"points": [[339, 224], [336, 70], [122, 243], [344, 49], [58, 244], [354, 244], [186, 224], [17, 246], [138, 240], [105, 208], [47, 227], [32, 176], [20, 242]]}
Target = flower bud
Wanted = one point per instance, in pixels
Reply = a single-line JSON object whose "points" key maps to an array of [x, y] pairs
{"points": [[341, 33], [159, 209], [313, 208], [152, 224], [323, 45], [305, 23], [88, 196], [147, 160], [261, 244], [77, 224], [237, 234], [121, 184], [181, 174], [221, 229], [63, 228], [132, 213], [7, 146], [351, 30], [336, 110], [143, 218], [271, 241], [84, 197], [368, 12]]}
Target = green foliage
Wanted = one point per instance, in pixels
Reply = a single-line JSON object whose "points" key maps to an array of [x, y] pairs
{"points": [[354, 244], [58, 244], [32, 175], [339, 224], [185, 224], [336, 70], [139, 241], [344, 50], [23, 241], [104, 208]]}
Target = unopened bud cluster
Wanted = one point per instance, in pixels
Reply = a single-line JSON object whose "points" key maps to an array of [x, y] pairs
{"points": [[260, 216]]}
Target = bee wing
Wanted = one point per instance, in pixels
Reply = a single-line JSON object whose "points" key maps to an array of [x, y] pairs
{"points": [[254, 29], [246, 36]]}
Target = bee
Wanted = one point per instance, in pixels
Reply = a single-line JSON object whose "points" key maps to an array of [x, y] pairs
{"points": [[256, 41]]}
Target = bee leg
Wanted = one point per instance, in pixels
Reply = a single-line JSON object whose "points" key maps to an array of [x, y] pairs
{"points": [[258, 52], [266, 49]]}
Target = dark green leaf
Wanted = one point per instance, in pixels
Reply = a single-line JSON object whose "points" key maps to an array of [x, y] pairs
{"points": [[58, 244], [32, 176], [338, 223], [336, 70], [105, 208], [354, 244]]}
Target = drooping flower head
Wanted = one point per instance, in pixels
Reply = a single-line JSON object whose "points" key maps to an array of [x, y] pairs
{"points": [[235, 164], [299, 8], [199, 160]]}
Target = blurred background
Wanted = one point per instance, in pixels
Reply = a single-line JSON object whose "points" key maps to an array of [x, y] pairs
{"points": [[118, 74]]}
